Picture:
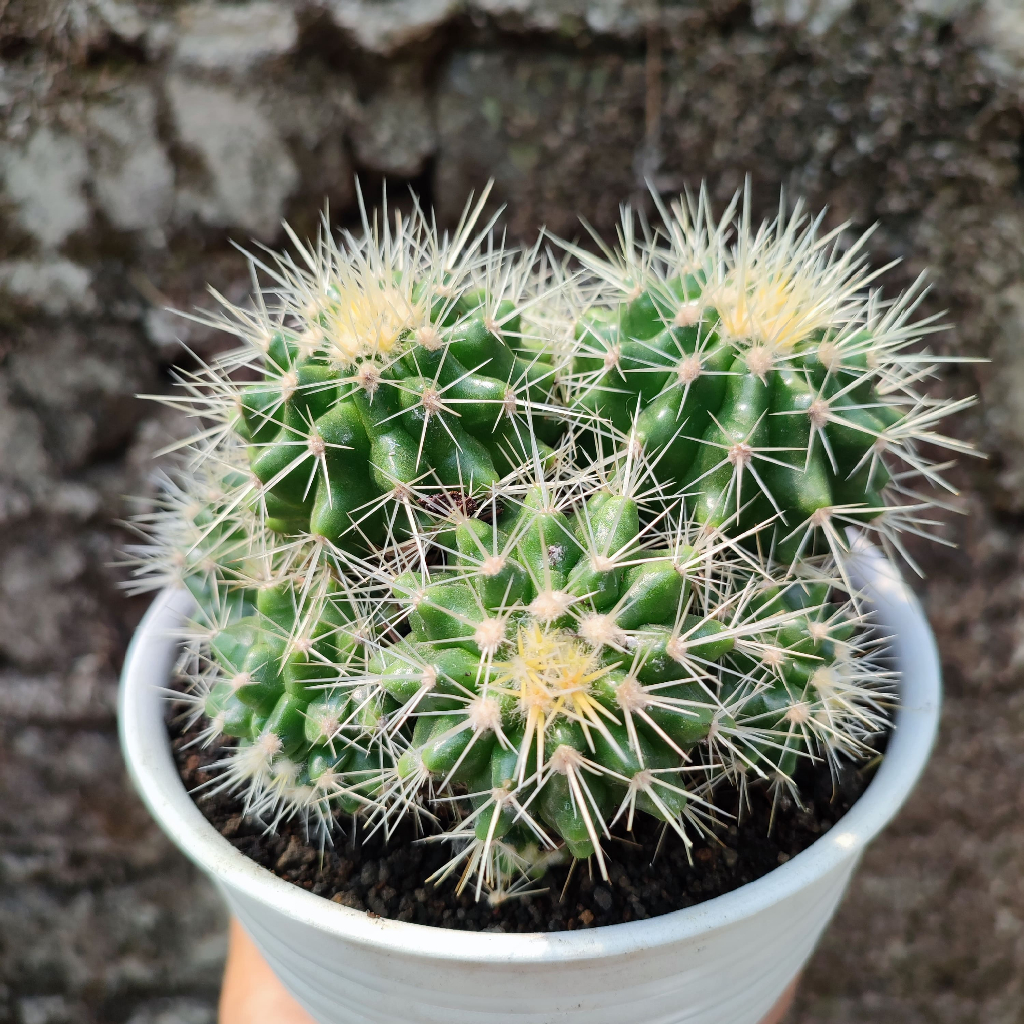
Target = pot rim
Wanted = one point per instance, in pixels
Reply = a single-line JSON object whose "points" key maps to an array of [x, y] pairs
{"points": [[151, 766]]}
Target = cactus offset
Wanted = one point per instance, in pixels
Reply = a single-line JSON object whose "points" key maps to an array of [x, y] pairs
{"points": [[393, 366], [576, 662], [762, 376]]}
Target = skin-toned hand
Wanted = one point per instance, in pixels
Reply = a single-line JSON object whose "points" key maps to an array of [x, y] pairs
{"points": [[778, 1012], [253, 995]]}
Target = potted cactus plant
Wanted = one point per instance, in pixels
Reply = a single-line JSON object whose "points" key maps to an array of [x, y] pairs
{"points": [[528, 553]]}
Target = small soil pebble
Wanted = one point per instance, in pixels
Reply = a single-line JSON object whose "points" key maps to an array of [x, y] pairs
{"points": [[649, 872]]}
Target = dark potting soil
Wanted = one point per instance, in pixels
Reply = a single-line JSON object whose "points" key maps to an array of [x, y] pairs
{"points": [[648, 874]]}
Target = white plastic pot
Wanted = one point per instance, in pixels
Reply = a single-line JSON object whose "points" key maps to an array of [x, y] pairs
{"points": [[725, 961]]}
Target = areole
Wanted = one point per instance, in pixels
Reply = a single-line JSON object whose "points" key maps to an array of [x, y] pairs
{"points": [[345, 967]]}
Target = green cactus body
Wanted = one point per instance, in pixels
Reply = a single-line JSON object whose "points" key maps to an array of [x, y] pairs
{"points": [[566, 675], [760, 378], [287, 684], [563, 668], [445, 406], [525, 567], [751, 434], [394, 370]]}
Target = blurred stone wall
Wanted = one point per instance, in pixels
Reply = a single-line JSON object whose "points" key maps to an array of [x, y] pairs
{"points": [[140, 138]]}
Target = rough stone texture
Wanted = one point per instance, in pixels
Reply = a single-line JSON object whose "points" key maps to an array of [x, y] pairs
{"points": [[139, 136]]}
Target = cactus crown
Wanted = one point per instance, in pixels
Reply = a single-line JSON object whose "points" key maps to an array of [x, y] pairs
{"points": [[476, 546]]}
